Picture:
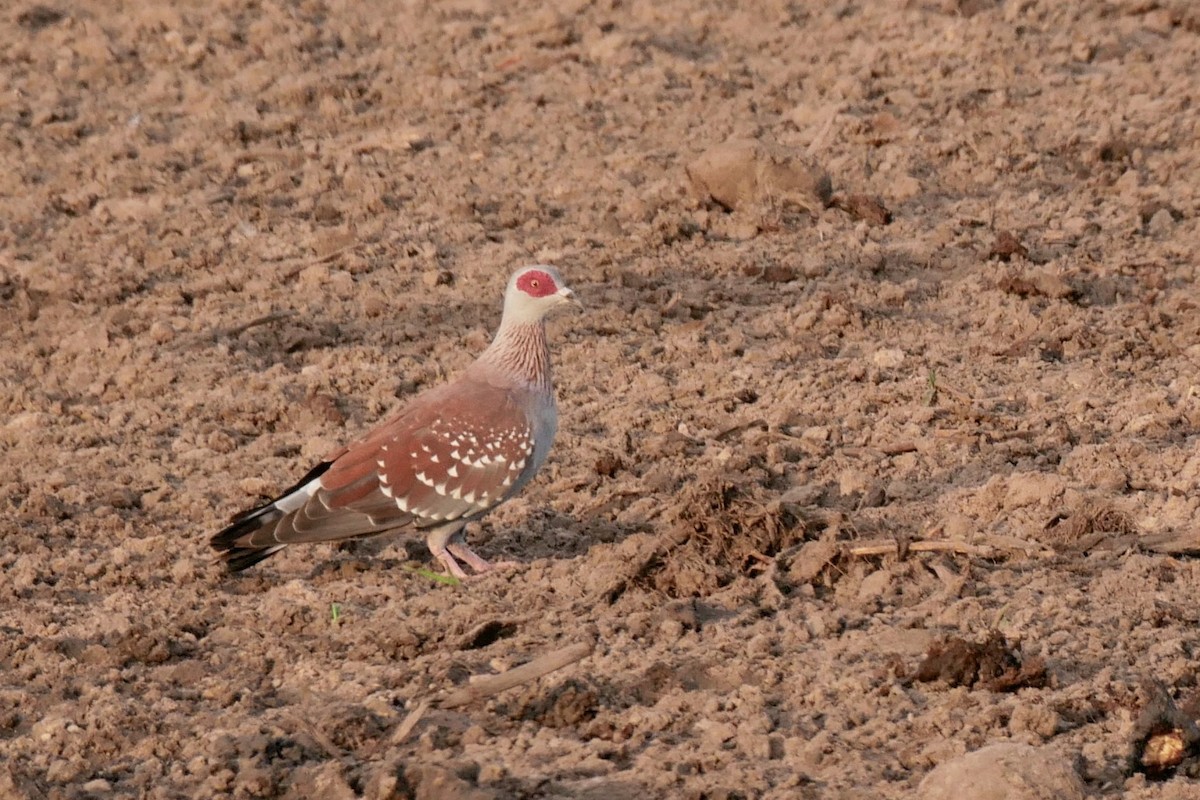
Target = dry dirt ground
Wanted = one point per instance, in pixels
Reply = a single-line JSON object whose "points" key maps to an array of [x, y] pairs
{"points": [[804, 439]]}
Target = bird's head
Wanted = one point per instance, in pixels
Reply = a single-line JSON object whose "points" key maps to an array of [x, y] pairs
{"points": [[533, 292]]}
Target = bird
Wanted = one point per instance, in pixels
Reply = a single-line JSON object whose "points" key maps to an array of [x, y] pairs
{"points": [[450, 455]]}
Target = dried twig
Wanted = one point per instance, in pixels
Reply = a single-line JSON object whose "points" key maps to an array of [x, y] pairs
{"points": [[297, 268], [993, 545], [892, 547], [494, 684], [310, 730], [1003, 542], [410, 722], [1185, 543], [490, 685], [729, 433], [269, 319]]}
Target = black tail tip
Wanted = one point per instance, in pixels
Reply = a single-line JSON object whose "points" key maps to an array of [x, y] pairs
{"points": [[232, 543], [237, 559]]}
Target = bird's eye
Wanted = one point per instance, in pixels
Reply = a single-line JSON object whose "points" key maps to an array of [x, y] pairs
{"points": [[536, 283]]}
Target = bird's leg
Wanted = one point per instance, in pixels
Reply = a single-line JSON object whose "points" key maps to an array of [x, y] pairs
{"points": [[473, 559], [447, 542], [437, 541], [458, 546]]}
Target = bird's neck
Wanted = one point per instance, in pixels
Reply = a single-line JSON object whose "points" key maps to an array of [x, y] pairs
{"points": [[520, 350]]}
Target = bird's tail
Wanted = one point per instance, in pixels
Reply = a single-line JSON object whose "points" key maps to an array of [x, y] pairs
{"points": [[239, 547], [233, 543]]}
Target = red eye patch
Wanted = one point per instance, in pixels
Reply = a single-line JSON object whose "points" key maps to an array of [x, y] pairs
{"points": [[536, 283]]}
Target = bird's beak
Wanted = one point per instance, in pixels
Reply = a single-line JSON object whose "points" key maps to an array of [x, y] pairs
{"points": [[569, 297]]}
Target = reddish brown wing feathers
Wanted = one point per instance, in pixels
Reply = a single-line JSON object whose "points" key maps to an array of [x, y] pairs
{"points": [[453, 455]]}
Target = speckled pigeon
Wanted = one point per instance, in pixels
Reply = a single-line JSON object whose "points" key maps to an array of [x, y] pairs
{"points": [[448, 457]]}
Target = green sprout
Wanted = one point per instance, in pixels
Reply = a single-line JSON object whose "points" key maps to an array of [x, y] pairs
{"points": [[448, 580]]}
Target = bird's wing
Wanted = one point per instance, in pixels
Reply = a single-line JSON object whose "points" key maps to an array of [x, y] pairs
{"points": [[451, 455]]}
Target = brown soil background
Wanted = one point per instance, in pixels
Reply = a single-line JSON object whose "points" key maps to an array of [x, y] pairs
{"points": [[1007, 369]]}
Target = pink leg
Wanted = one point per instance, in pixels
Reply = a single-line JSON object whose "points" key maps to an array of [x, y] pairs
{"points": [[476, 561], [447, 541], [451, 565]]}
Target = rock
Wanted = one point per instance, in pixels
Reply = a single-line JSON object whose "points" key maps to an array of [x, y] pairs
{"points": [[1038, 283], [853, 481], [1006, 246], [817, 434], [1004, 771], [808, 495], [863, 207], [1161, 222], [905, 187], [327, 781], [437, 277], [1037, 719], [438, 783], [812, 560], [1029, 488], [875, 586], [888, 358], [87, 338], [957, 527], [742, 172]]}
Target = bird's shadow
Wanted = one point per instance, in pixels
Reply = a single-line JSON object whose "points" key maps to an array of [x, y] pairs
{"points": [[550, 534], [544, 534]]}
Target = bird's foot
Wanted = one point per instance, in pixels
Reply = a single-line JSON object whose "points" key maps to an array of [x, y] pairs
{"points": [[451, 565], [448, 546], [472, 559]]}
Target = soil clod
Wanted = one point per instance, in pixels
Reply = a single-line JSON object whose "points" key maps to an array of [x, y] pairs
{"points": [[992, 664], [720, 531], [1166, 739]]}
